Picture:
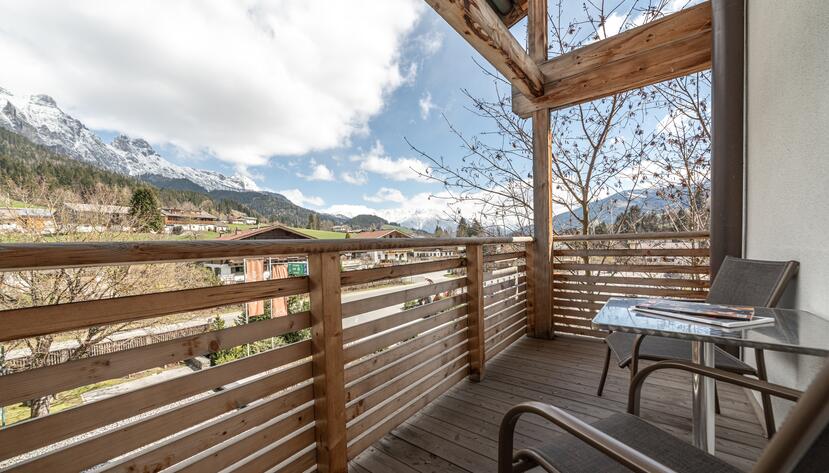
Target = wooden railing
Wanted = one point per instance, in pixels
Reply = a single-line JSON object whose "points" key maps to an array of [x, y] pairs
{"points": [[588, 270], [310, 404]]}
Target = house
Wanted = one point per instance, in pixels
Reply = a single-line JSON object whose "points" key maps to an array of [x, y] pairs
{"points": [[24, 219], [382, 255], [85, 218], [241, 218], [176, 220]]}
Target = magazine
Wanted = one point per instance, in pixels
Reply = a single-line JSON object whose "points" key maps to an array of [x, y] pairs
{"points": [[710, 314]]}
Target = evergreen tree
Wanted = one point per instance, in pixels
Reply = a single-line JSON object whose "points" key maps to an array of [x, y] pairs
{"points": [[144, 209], [310, 224], [476, 229], [316, 219], [439, 232], [463, 228]]}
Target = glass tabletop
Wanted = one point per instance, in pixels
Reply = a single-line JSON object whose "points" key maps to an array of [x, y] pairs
{"points": [[794, 331]]}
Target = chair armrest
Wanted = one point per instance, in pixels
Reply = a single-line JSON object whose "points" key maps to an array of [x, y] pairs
{"points": [[635, 393], [613, 448]]}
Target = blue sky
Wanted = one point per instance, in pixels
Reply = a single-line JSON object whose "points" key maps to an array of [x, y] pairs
{"points": [[311, 98]]}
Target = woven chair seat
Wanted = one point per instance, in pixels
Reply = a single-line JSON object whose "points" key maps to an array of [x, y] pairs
{"points": [[570, 455], [656, 348]]}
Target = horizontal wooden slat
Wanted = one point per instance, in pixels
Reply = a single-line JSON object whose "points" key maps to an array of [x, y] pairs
{"points": [[504, 256], [496, 348], [361, 405], [379, 429], [33, 321], [594, 306], [674, 46], [287, 431], [506, 302], [504, 272], [635, 236], [506, 332], [39, 382], [361, 349], [699, 252], [22, 256], [192, 442], [574, 317], [274, 454], [493, 319], [349, 278], [400, 365], [633, 281], [505, 324], [580, 331], [28, 435], [369, 304], [403, 351], [635, 268], [572, 291], [101, 447], [509, 291], [299, 463], [391, 321], [401, 398], [491, 289]]}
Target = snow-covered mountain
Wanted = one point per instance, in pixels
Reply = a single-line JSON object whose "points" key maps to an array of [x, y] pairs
{"points": [[38, 118]]}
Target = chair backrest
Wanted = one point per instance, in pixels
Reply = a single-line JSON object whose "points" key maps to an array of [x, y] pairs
{"points": [[751, 282], [802, 443]]}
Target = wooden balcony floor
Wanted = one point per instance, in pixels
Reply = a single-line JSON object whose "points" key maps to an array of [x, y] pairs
{"points": [[458, 431]]}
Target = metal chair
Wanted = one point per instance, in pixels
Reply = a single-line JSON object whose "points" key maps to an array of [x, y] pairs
{"points": [[623, 442], [739, 281]]}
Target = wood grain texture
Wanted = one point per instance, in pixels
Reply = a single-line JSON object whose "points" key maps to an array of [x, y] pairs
{"points": [[670, 47], [363, 276], [22, 256], [484, 30], [28, 435], [33, 321], [503, 256], [328, 362], [702, 235], [543, 226], [368, 304], [30, 384], [390, 322], [518, 12], [475, 307]]}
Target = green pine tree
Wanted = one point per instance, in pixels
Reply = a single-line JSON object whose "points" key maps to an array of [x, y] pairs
{"points": [[144, 209], [463, 228]]}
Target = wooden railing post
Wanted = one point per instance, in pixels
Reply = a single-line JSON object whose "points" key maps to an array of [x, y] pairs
{"points": [[475, 301], [328, 365], [530, 296]]}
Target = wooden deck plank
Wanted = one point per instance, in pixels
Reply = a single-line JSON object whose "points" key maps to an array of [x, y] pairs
{"points": [[459, 430]]}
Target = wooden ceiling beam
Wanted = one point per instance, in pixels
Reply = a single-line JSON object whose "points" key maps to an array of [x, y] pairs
{"points": [[518, 12], [673, 46], [478, 23]]}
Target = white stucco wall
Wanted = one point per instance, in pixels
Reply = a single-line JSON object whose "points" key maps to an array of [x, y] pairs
{"points": [[787, 158]]}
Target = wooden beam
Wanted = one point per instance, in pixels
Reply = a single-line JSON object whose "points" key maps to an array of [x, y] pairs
{"points": [[475, 301], [328, 364], [728, 117], [673, 46], [485, 31], [518, 12], [542, 291]]}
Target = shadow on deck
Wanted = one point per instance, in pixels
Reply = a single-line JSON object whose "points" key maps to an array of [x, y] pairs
{"points": [[458, 432]]}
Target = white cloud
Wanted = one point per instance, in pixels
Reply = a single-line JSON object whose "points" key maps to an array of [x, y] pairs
{"points": [[319, 172], [357, 177], [350, 210], [296, 196], [386, 194], [241, 80], [426, 105], [430, 42], [403, 169]]}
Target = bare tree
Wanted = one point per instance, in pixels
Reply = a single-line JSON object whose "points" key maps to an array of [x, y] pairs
{"points": [[599, 149], [98, 221]]}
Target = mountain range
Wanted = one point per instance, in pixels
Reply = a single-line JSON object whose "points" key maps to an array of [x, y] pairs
{"points": [[39, 119]]}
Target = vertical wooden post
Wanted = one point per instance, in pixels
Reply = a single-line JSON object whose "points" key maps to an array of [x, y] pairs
{"points": [[542, 186], [475, 301], [530, 296], [328, 366]]}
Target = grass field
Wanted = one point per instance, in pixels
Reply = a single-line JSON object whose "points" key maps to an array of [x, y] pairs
{"points": [[321, 234]]}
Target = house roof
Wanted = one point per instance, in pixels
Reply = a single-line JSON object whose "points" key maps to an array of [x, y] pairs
{"points": [[256, 231], [97, 208], [188, 214], [24, 212], [382, 234]]}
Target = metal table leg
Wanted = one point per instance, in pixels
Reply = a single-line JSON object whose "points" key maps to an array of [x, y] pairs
{"points": [[702, 390]]}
